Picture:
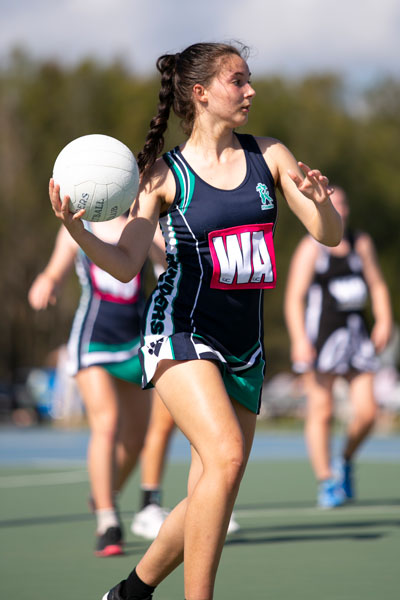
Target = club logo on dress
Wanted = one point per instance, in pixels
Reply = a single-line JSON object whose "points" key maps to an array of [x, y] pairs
{"points": [[266, 201]]}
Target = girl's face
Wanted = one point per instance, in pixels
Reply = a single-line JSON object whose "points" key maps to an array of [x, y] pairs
{"points": [[229, 95]]}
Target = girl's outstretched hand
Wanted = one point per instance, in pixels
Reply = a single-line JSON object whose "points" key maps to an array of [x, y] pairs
{"points": [[72, 221], [42, 292], [314, 185]]}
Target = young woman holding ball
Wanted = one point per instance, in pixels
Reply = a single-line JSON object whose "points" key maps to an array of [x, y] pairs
{"points": [[202, 346]]}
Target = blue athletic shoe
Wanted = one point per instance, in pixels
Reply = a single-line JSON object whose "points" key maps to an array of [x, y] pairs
{"points": [[330, 495], [343, 470]]}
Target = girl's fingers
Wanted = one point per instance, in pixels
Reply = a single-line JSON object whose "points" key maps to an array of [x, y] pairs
{"points": [[305, 168], [295, 177], [65, 203], [79, 214]]}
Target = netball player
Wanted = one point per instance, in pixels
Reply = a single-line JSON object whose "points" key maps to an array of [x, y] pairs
{"points": [[202, 348], [326, 297], [103, 357]]}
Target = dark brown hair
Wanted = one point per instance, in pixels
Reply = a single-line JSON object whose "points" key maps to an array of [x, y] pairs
{"points": [[199, 63]]}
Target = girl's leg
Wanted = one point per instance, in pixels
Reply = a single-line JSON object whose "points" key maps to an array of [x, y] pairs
{"points": [[134, 415], [318, 388], [221, 433], [148, 520], [364, 412], [100, 397], [156, 444]]}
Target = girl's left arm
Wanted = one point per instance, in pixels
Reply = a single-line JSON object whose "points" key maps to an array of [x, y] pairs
{"points": [[307, 193], [379, 292]]}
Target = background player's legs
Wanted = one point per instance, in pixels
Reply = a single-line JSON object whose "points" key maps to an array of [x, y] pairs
{"points": [[148, 520], [320, 405], [118, 414], [100, 397], [364, 412], [363, 415], [156, 444], [134, 415], [319, 414]]}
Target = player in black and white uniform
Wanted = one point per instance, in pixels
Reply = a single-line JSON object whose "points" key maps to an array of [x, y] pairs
{"points": [[203, 335], [335, 312], [327, 293]]}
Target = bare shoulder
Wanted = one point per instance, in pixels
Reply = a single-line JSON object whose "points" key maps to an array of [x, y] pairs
{"points": [[308, 248], [158, 183], [271, 146], [266, 143], [364, 244], [276, 154]]}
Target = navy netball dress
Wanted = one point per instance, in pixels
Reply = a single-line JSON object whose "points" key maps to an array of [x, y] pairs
{"points": [[335, 313], [106, 327], [209, 302]]}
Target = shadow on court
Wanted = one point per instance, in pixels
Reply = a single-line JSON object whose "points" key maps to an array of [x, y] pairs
{"points": [[47, 520], [296, 505], [311, 532], [288, 539], [266, 506]]}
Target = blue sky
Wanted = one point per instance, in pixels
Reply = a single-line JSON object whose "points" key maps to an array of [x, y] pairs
{"points": [[357, 38]]}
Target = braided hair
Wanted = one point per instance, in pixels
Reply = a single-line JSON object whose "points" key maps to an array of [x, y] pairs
{"points": [[199, 63]]}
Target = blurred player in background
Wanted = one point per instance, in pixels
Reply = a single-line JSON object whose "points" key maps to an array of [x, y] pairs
{"points": [[103, 357], [148, 520], [327, 292]]}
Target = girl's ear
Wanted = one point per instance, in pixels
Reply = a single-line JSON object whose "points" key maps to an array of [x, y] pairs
{"points": [[199, 93]]}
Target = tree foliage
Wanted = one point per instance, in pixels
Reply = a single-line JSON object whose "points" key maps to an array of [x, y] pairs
{"points": [[43, 106]]}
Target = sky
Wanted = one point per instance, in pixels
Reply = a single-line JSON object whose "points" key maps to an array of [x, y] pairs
{"points": [[359, 39]]}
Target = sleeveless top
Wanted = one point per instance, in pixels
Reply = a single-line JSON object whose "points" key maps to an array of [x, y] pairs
{"points": [[220, 255], [106, 326], [335, 312]]}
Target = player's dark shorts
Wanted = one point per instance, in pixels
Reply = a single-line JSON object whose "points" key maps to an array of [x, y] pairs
{"points": [[344, 349], [105, 334], [243, 382]]}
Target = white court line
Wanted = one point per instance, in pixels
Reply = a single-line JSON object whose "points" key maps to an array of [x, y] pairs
{"points": [[40, 479], [67, 477]]}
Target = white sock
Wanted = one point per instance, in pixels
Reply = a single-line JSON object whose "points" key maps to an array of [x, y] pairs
{"points": [[106, 517]]}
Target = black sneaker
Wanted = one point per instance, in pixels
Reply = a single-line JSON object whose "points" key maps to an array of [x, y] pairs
{"points": [[110, 543], [116, 593]]}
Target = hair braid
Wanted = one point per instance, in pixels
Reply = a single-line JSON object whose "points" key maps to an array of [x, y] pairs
{"points": [[154, 142]]}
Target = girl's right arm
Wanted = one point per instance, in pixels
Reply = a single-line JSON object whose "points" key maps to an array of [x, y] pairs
{"points": [[125, 259], [46, 285]]}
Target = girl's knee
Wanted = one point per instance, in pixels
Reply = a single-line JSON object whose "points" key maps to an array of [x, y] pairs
{"points": [[322, 414], [370, 415], [231, 465]]}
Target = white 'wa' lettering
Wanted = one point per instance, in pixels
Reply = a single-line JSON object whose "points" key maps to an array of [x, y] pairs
{"points": [[248, 258]]}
